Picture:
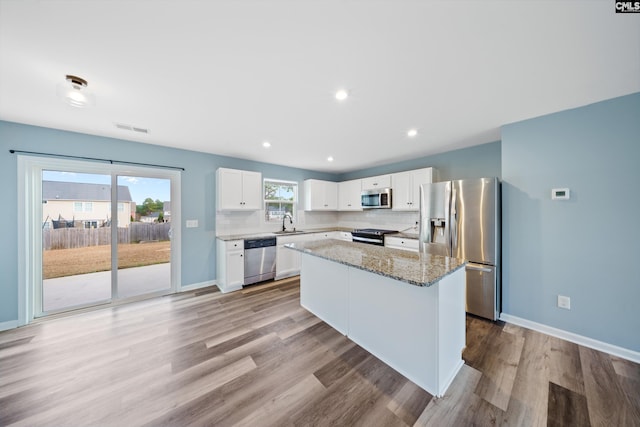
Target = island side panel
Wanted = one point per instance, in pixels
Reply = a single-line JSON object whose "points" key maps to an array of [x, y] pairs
{"points": [[323, 290], [452, 330], [398, 323]]}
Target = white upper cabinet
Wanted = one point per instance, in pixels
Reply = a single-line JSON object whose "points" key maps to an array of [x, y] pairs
{"points": [[406, 188], [349, 195], [238, 190], [381, 181], [320, 195]]}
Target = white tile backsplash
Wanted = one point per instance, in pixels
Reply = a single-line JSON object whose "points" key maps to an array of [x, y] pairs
{"points": [[239, 222], [379, 218]]}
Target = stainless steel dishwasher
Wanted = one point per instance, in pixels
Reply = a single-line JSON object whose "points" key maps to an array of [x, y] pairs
{"points": [[259, 259]]}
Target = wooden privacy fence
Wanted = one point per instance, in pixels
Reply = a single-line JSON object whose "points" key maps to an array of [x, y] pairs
{"points": [[66, 238]]}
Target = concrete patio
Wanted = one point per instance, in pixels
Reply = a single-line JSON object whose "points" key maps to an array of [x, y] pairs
{"points": [[83, 289]]}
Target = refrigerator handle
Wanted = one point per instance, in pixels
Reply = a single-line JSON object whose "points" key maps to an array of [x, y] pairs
{"points": [[478, 267], [453, 222]]}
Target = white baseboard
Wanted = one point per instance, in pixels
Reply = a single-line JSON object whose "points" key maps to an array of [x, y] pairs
{"points": [[622, 352], [200, 285], [11, 324], [230, 289]]}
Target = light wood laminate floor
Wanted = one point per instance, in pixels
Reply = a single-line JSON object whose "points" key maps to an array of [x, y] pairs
{"points": [[256, 358]]}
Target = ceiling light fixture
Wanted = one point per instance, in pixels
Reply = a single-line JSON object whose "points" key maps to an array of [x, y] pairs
{"points": [[412, 133], [330, 159], [266, 144], [341, 95], [74, 92]]}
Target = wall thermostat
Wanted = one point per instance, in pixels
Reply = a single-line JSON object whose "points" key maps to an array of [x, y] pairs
{"points": [[560, 194]]}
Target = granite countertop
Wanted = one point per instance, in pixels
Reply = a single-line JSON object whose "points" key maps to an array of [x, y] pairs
{"points": [[410, 267], [228, 237]]}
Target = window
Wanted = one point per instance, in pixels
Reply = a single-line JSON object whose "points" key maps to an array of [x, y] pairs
{"points": [[77, 206], [280, 198], [88, 206]]}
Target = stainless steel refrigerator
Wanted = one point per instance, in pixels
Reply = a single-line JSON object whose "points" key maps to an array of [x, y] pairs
{"points": [[461, 219]]}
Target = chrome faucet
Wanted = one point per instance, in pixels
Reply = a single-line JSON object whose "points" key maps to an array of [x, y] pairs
{"points": [[285, 217]]}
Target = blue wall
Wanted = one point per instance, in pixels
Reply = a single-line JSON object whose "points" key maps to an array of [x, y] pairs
{"points": [[473, 162], [588, 247], [198, 194], [585, 248]]}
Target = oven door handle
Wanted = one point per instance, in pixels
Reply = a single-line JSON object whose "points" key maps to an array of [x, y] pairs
{"points": [[367, 240]]}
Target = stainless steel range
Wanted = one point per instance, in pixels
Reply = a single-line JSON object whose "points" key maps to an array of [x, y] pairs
{"points": [[371, 236]]}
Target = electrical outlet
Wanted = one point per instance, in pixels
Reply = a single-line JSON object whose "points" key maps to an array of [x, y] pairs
{"points": [[564, 302], [192, 223]]}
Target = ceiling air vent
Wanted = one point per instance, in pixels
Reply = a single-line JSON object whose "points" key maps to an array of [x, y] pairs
{"points": [[131, 128]]}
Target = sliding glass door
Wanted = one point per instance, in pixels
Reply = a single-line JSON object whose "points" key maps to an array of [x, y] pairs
{"points": [[96, 234], [76, 240], [144, 240]]}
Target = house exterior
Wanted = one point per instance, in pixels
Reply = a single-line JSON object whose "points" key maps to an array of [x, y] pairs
{"points": [[83, 205], [155, 216]]}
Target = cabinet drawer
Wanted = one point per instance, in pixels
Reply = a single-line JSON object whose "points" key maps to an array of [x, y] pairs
{"points": [[401, 243], [234, 245]]}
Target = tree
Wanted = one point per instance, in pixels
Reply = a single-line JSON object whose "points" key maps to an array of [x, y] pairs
{"points": [[149, 206], [273, 191]]}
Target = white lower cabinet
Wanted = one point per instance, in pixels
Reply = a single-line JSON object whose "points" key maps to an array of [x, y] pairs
{"points": [[344, 235], [401, 243], [230, 264], [338, 235], [325, 235], [287, 260]]}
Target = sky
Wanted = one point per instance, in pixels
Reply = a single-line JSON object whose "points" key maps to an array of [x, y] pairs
{"points": [[139, 187]]}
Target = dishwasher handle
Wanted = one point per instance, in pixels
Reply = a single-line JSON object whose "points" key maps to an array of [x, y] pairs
{"points": [[259, 243]]}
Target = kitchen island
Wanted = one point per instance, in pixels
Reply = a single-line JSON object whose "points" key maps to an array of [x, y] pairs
{"points": [[405, 308]]}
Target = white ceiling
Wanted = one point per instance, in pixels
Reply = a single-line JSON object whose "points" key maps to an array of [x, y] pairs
{"points": [[223, 76]]}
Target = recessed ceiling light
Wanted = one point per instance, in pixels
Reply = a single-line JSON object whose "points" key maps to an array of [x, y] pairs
{"points": [[412, 133], [266, 144], [330, 159], [341, 95]]}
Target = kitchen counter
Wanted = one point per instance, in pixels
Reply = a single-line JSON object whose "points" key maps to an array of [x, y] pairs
{"points": [[406, 309], [416, 269], [228, 237]]}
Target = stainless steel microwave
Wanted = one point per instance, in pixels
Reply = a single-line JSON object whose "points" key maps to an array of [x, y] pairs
{"points": [[380, 198]]}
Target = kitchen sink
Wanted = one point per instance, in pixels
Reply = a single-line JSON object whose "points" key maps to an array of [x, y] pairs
{"points": [[290, 232]]}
